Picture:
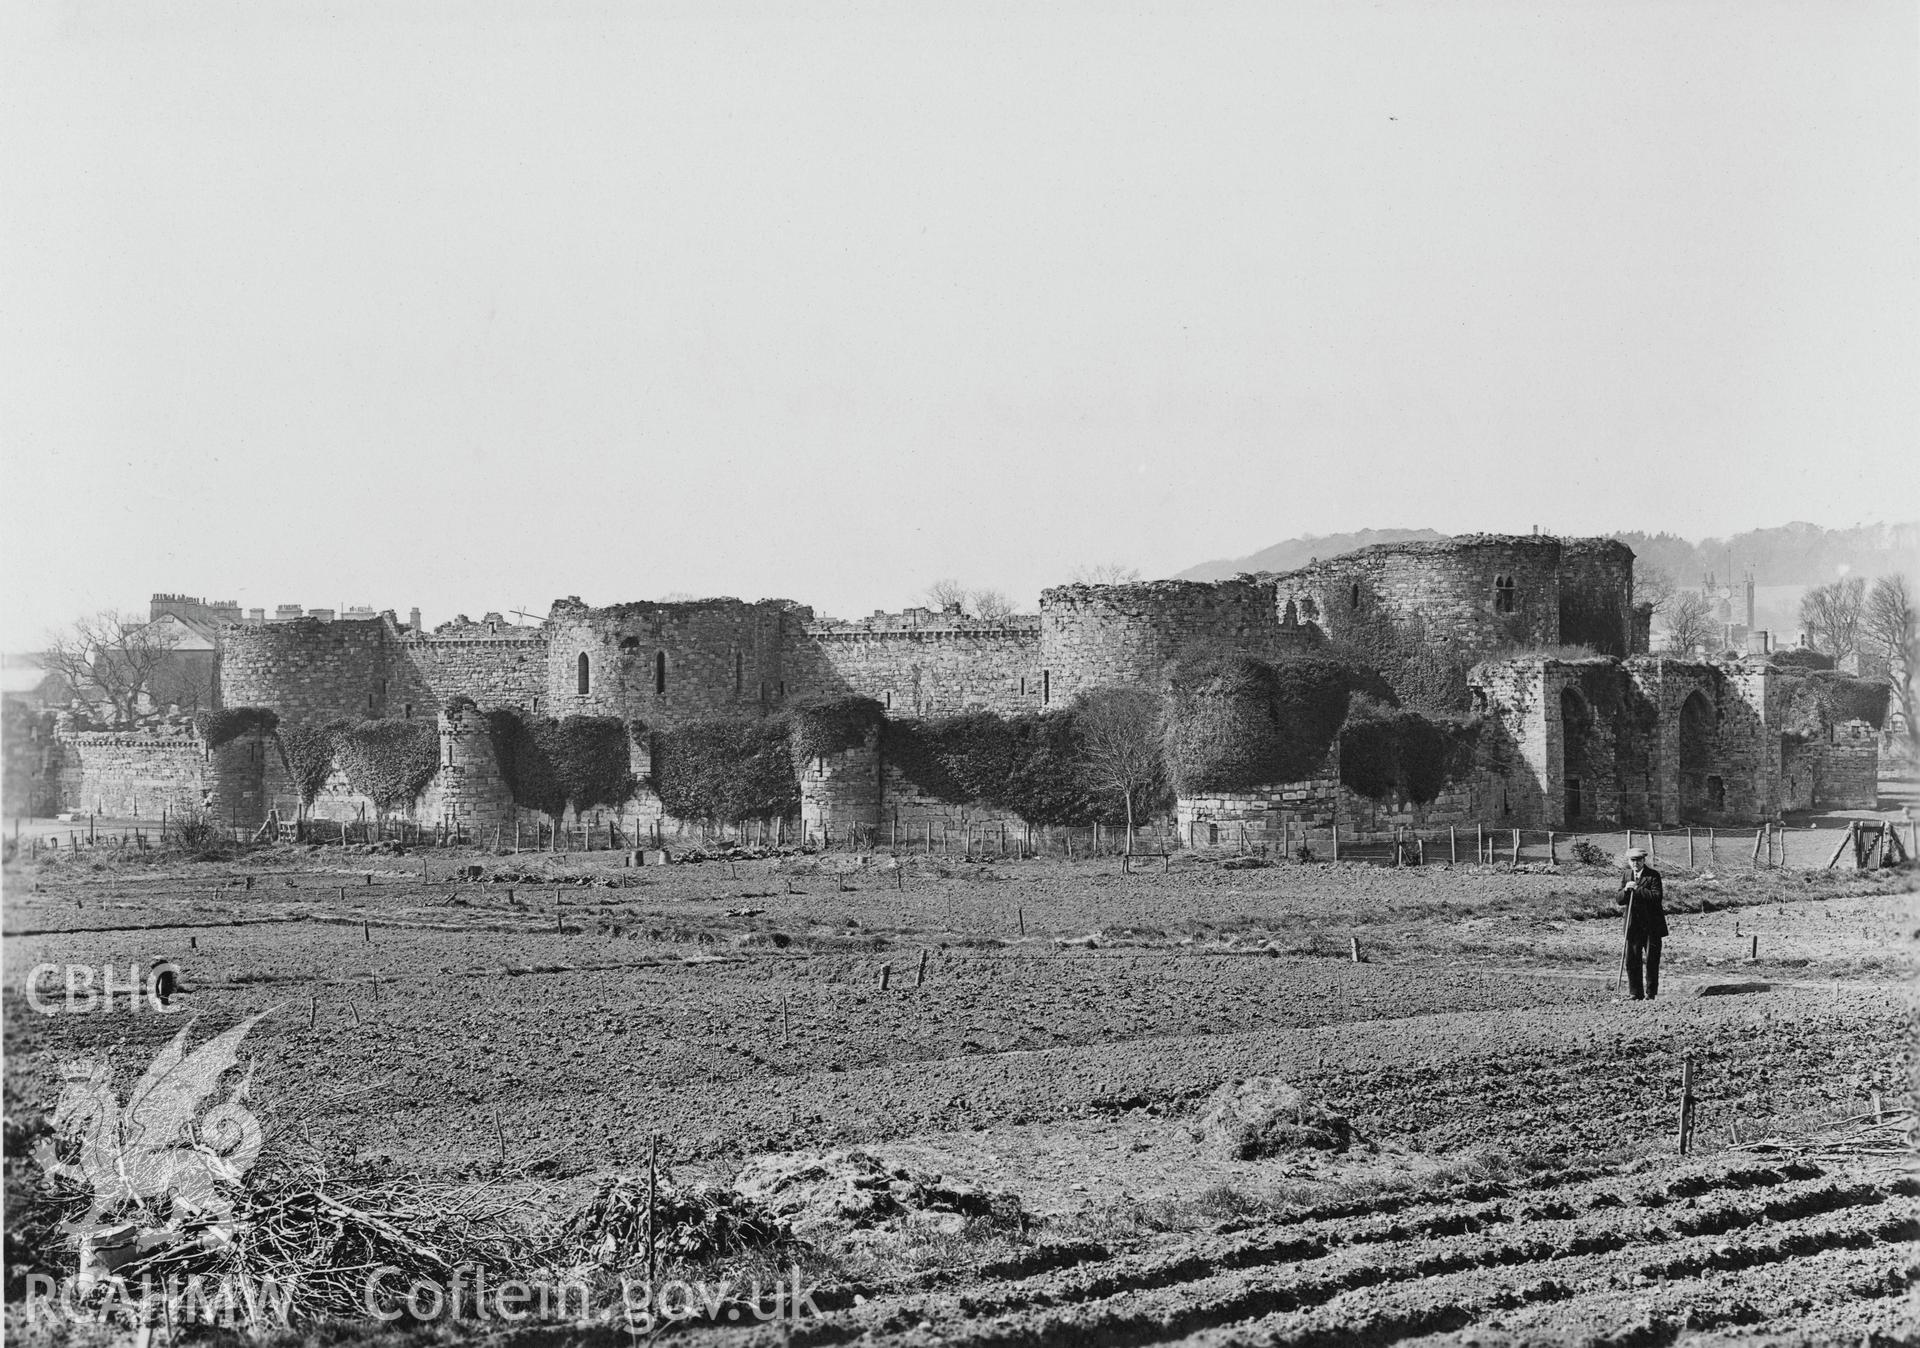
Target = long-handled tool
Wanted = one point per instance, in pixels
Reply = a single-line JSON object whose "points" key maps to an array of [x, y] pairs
{"points": [[1626, 925]]}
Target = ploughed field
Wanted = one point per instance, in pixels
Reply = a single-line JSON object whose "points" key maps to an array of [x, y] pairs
{"points": [[1051, 1029]]}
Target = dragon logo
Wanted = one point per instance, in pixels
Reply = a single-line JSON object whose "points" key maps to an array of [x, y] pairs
{"points": [[158, 1145]]}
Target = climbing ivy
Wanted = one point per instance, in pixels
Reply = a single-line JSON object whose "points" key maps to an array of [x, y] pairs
{"points": [[389, 761], [1234, 722], [230, 723], [726, 769], [308, 753], [818, 727]]}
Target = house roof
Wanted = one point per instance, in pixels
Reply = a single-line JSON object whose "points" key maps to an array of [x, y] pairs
{"points": [[192, 634]]}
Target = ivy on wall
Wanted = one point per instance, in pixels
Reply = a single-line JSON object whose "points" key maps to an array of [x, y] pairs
{"points": [[308, 753], [1234, 723], [1391, 753], [820, 727], [389, 761], [1817, 700], [548, 763], [726, 769], [230, 723], [1030, 764], [590, 759]]}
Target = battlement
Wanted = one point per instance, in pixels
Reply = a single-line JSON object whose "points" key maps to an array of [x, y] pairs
{"points": [[922, 622]]}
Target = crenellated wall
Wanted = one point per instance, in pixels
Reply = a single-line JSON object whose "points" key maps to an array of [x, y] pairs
{"points": [[922, 663], [135, 775], [494, 671]]}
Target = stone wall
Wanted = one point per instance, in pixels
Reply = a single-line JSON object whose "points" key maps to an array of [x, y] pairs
{"points": [[310, 671], [1098, 636], [469, 790], [1448, 592], [132, 775], [921, 663], [495, 671], [841, 791], [1271, 816], [666, 663], [1596, 595], [907, 811], [31, 757], [1838, 771], [1643, 742]]}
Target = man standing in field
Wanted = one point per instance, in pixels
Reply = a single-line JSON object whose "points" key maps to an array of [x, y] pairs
{"points": [[1642, 895]]}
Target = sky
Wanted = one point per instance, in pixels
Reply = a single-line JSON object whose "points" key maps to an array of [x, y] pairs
{"points": [[473, 306]]}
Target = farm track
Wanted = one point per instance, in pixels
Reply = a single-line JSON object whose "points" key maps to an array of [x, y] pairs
{"points": [[1570, 1255]]}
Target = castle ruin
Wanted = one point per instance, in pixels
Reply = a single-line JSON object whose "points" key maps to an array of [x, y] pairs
{"points": [[1537, 636]]}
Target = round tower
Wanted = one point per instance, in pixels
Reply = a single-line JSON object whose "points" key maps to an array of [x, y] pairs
{"points": [[663, 663], [1097, 636], [1479, 592], [307, 670]]}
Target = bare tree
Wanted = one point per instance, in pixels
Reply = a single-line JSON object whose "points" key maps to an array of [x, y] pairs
{"points": [[1104, 573], [1119, 734], [1893, 637], [989, 604], [947, 593], [1653, 588], [1690, 622], [111, 658], [1831, 615]]}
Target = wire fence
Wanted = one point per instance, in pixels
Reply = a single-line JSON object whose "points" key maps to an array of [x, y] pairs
{"points": [[1821, 844]]}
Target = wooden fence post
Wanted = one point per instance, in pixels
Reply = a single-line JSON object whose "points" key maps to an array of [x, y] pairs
{"points": [[1686, 1105]]}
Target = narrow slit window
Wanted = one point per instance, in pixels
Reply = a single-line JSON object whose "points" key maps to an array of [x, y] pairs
{"points": [[659, 673], [1353, 596], [585, 674], [739, 673], [1046, 687]]}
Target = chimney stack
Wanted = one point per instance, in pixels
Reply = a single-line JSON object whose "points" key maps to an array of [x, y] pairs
{"points": [[413, 619]]}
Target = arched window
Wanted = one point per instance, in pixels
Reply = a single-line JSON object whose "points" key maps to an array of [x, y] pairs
{"points": [[585, 675], [1503, 594], [660, 673]]}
